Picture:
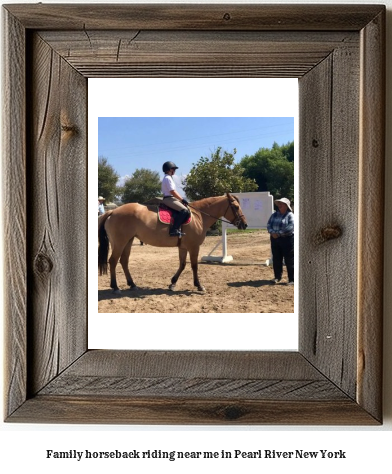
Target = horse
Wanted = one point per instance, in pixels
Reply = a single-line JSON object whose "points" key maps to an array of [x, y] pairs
{"points": [[120, 226]]}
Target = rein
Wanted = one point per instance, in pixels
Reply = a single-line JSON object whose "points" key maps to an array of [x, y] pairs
{"points": [[235, 221], [209, 215]]}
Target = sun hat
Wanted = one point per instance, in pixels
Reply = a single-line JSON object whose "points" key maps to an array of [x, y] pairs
{"points": [[100, 198], [285, 201]]}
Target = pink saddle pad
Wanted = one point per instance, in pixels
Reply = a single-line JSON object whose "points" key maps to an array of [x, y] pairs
{"points": [[165, 215]]}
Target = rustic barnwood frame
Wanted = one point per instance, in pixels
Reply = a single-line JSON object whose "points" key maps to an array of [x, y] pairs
{"points": [[337, 52]]}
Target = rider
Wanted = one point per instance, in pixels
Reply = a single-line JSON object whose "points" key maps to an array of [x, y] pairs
{"points": [[172, 199]]}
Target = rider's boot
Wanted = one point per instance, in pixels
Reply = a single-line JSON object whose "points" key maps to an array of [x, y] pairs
{"points": [[181, 217]]}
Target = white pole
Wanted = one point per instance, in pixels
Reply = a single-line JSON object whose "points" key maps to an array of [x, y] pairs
{"points": [[224, 240]]}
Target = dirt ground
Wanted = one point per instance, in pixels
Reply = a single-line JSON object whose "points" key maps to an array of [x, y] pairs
{"points": [[241, 286]]}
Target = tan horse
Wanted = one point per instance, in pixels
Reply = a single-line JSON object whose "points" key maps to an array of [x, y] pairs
{"points": [[120, 226]]}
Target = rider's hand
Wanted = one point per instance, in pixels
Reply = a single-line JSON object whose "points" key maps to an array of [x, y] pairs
{"points": [[185, 202]]}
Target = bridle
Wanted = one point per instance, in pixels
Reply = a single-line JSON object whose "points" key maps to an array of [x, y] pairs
{"points": [[237, 216]]}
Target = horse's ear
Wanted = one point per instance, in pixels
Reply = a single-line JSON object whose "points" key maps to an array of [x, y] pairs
{"points": [[228, 195]]}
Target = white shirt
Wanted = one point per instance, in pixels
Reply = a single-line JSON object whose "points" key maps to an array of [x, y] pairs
{"points": [[168, 185]]}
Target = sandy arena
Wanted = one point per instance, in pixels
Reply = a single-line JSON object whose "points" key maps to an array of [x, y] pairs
{"points": [[241, 286]]}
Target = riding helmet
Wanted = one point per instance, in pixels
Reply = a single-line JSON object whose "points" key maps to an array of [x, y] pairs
{"points": [[168, 166]]}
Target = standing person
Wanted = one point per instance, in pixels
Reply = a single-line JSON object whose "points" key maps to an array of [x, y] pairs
{"points": [[172, 199], [281, 229], [101, 208]]}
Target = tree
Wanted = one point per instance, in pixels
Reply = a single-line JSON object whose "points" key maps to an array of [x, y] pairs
{"points": [[271, 170], [107, 180], [286, 150], [215, 176], [144, 184]]}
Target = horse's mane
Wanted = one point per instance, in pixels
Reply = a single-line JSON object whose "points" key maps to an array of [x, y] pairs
{"points": [[207, 201], [203, 202]]}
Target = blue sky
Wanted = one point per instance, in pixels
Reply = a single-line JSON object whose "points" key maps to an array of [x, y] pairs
{"points": [[147, 142]]}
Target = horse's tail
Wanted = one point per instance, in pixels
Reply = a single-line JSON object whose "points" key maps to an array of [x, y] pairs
{"points": [[103, 248]]}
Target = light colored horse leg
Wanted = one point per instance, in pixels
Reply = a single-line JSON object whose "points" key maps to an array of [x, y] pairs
{"points": [[124, 260], [182, 254], [194, 255], [113, 260]]}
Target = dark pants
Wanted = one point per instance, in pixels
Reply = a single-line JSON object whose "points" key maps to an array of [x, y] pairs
{"points": [[283, 248]]}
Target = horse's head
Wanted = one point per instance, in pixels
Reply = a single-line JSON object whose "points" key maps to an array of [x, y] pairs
{"points": [[238, 218]]}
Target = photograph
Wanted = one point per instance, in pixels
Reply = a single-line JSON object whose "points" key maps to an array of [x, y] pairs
{"points": [[230, 183]]}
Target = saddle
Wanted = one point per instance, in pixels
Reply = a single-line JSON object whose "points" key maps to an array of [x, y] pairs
{"points": [[166, 215]]}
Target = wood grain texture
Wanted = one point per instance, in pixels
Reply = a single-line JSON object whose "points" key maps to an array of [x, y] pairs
{"points": [[206, 374], [329, 144], [57, 221], [188, 387], [371, 216], [338, 54], [164, 53], [209, 364], [196, 17], [14, 206], [155, 411], [191, 387]]}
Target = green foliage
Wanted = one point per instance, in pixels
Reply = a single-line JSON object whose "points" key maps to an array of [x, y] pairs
{"points": [[288, 151], [142, 186], [107, 180], [215, 176], [272, 169]]}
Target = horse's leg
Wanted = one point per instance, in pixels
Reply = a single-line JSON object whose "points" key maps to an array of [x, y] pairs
{"points": [[124, 260], [194, 255], [113, 260], [182, 254]]}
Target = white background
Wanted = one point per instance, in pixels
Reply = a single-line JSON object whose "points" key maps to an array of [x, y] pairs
{"points": [[125, 97], [367, 449]]}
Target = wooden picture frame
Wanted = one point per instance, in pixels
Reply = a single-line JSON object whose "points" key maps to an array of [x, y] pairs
{"points": [[338, 54]]}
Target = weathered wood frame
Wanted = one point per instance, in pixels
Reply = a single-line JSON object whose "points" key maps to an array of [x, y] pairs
{"points": [[337, 52]]}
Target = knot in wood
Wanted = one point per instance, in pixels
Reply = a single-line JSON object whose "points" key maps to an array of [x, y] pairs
{"points": [[69, 128], [227, 16], [315, 143], [43, 264], [233, 412], [328, 233]]}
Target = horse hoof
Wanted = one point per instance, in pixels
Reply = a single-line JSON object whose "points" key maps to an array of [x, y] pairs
{"points": [[134, 288], [201, 288], [172, 287], [117, 292]]}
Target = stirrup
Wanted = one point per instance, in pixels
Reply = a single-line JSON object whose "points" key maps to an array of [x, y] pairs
{"points": [[176, 233]]}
